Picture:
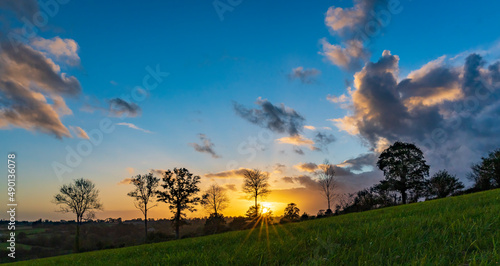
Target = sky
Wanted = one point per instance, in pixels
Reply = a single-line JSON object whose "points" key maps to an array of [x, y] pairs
{"points": [[106, 91]]}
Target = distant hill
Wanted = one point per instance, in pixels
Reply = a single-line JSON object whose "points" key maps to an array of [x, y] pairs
{"points": [[457, 230]]}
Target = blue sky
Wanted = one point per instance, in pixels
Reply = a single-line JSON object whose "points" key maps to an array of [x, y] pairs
{"points": [[213, 63]]}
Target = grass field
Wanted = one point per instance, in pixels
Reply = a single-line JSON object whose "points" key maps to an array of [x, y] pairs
{"points": [[457, 230]]}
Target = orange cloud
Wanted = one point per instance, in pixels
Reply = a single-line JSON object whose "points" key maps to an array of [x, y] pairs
{"points": [[297, 140]]}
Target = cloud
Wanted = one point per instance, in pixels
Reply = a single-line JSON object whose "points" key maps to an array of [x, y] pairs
{"points": [[64, 50], [125, 181], [279, 168], [357, 163], [351, 25], [279, 119], [235, 173], [32, 91], [322, 140], [115, 107], [298, 150], [349, 57], [340, 99], [231, 187], [130, 125], [310, 127], [297, 140], [446, 108], [305, 181], [314, 168], [306, 76], [20, 9], [158, 172], [206, 147], [79, 132], [307, 167], [119, 107]]}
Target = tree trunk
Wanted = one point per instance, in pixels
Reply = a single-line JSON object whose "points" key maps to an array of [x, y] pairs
{"points": [[146, 223], [328, 197], [177, 222], [256, 209], [77, 237], [403, 196]]}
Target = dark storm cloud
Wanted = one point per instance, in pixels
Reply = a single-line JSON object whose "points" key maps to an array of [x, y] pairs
{"points": [[279, 119], [206, 146]]}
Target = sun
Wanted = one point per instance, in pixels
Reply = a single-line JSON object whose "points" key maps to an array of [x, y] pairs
{"points": [[266, 207]]}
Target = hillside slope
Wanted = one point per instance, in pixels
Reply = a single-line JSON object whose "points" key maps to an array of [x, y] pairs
{"points": [[457, 230]]}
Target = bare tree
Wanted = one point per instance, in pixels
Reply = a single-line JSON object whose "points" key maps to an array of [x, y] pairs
{"points": [[143, 193], [80, 197], [256, 184], [327, 183], [215, 199]]}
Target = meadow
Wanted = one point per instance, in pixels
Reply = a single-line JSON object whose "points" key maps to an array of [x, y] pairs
{"points": [[456, 230]]}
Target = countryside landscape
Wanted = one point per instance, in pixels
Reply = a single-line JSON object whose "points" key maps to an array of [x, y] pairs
{"points": [[353, 132]]}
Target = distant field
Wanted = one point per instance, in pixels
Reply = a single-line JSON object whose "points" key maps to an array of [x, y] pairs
{"points": [[457, 230]]}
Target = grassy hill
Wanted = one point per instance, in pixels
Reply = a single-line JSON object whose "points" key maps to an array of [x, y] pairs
{"points": [[457, 230]]}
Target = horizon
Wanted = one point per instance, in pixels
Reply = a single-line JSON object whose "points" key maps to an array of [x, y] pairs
{"points": [[279, 87]]}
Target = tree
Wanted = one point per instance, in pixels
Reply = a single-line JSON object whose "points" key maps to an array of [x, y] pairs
{"points": [[486, 174], [215, 199], [404, 167], [81, 198], [180, 192], [143, 193], [442, 184], [327, 183], [292, 213], [253, 212], [256, 184], [215, 223]]}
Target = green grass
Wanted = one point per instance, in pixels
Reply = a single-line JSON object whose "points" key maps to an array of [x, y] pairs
{"points": [[457, 230]]}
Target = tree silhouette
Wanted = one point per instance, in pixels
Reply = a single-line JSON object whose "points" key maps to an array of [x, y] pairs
{"points": [[327, 183], [292, 213], [253, 212], [180, 192], [144, 192], [486, 174], [81, 198], [442, 184], [256, 184], [404, 167], [215, 199]]}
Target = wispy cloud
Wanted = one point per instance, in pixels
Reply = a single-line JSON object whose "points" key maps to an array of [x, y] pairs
{"points": [[79, 132], [130, 125], [125, 181], [235, 173]]}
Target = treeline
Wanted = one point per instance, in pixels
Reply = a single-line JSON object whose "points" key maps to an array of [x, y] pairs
{"points": [[406, 181]]}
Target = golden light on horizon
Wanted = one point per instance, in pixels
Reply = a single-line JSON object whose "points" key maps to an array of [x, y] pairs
{"points": [[266, 207]]}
